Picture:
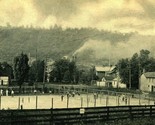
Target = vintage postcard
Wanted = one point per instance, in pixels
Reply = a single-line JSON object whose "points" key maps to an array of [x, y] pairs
{"points": [[75, 62]]}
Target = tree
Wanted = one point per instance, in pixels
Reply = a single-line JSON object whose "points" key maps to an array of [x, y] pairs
{"points": [[135, 71], [144, 59], [1, 70], [123, 68], [135, 66], [63, 71], [6, 70], [36, 72], [21, 69], [150, 67]]}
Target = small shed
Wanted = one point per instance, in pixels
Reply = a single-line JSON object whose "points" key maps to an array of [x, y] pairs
{"points": [[4, 80]]}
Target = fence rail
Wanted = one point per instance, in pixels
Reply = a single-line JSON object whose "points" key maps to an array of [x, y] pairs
{"points": [[74, 115]]}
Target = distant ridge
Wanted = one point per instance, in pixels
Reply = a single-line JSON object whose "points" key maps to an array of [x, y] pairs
{"points": [[52, 43]]}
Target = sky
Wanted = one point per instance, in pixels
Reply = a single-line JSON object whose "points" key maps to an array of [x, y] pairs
{"points": [[112, 15]]}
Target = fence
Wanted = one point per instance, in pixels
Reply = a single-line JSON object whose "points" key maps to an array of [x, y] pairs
{"points": [[74, 115]]}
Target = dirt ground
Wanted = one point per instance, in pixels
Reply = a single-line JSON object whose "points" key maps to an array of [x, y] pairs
{"points": [[83, 100]]}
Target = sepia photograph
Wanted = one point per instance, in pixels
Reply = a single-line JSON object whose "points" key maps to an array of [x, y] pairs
{"points": [[77, 62]]}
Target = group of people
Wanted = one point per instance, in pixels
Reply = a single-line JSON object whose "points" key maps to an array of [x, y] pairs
{"points": [[6, 92], [70, 94], [124, 99]]}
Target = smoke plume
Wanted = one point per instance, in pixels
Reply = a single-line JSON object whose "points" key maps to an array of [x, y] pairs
{"points": [[102, 51]]}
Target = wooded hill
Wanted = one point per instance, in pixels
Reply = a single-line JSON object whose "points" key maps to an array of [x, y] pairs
{"points": [[52, 43]]}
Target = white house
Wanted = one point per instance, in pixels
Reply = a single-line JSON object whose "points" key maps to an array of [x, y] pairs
{"points": [[108, 77], [147, 82], [105, 81], [111, 81], [4, 80], [102, 71]]}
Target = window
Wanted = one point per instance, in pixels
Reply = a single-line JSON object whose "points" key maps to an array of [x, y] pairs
{"points": [[148, 85]]}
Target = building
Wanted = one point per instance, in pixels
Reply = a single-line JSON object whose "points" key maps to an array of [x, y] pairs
{"points": [[102, 71], [106, 81], [147, 82], [111, 81], [108, 77], [4, 80]]}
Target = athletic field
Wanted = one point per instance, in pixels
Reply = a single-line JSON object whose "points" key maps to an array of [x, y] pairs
{"points": [[56, 101]]}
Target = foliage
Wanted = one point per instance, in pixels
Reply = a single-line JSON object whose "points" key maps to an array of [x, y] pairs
{"points": [[63, 71], [6, 70], [54, 42], [21, 68], [66, 71], [135, 66], [123, 68], [36, 72]]}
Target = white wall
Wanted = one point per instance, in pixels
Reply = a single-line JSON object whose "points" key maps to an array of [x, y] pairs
{"points": [[144, 83], [100, 83], [120, 85], [4, 80]]}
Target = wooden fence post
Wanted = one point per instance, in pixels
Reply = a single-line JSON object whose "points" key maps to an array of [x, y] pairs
{"points": [[139, 99], [36, 102], [107, 113], [87, 100], [150, 110], [129, 100], [52, 117], [130, 110], [52, 103], [19, 103], [81, 102], [11, 119], [118, 100], [67, 101], [107, 98]]}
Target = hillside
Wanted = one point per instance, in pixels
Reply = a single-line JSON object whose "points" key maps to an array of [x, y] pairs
{"points": [[52, 43], [91, 46]]}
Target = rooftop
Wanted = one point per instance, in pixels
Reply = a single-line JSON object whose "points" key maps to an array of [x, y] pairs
{"points": [[149, 74], [104, 68], [109, 78]]}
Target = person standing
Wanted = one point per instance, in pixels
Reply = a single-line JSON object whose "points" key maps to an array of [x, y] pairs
{"points": [[7, 92], [12, 93], [62, 96], [1, 92]]}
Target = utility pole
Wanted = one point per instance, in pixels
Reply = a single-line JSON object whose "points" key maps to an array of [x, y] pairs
{"points": [[139, 71], [129, 74], [44, 75], [36, 66], [118, 75]]}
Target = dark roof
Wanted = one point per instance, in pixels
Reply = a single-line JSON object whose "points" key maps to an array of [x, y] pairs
{"points": [[100, 75], [109, 78], [149, 74]]}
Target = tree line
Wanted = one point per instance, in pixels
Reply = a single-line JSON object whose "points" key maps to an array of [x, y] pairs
{"points": [[63, 71], [47, 41], [67, 71], [130, 69]]}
